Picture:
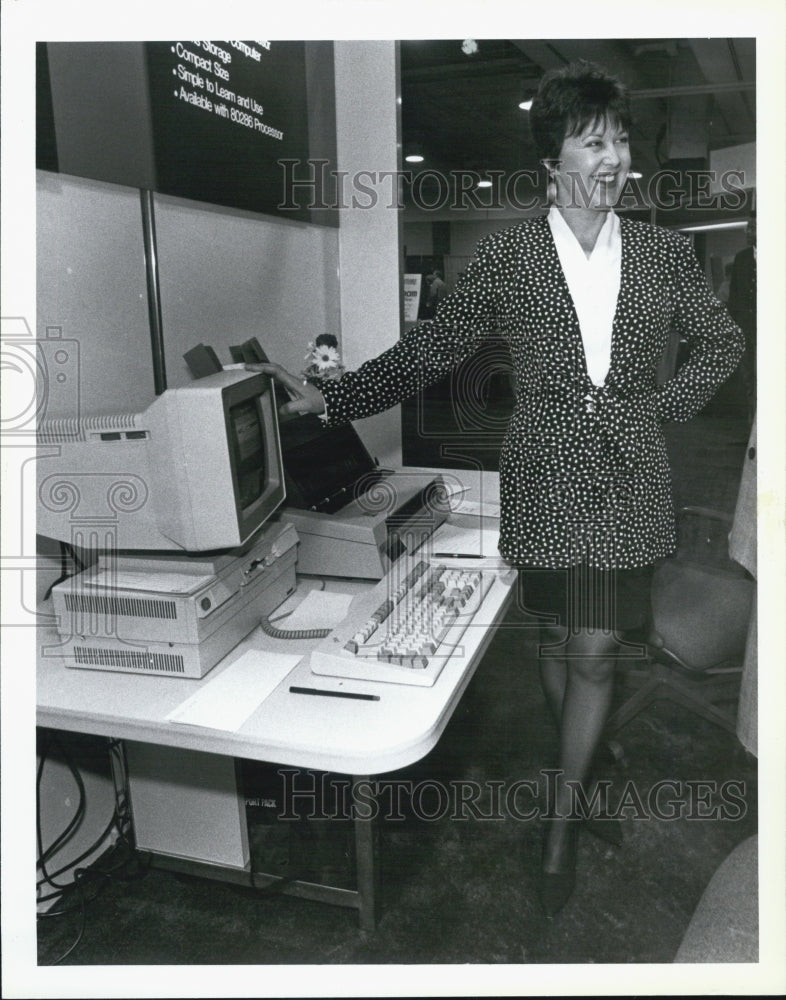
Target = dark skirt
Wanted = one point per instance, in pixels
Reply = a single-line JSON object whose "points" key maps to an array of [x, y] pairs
{"points": [[583, 597]]}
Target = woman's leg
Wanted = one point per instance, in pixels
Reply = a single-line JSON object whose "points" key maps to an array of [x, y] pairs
{"points": [[589, 672], [553, 669]]}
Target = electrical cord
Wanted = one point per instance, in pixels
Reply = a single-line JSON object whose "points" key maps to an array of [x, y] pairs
{"points": [[114, 822], [80, 933], [72, 864], [122, 797], [76, 820], [301, 633], [99, 877], [81, 876]]}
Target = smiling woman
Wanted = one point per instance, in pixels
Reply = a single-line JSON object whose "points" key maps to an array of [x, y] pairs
{"points": [[586, 302]]}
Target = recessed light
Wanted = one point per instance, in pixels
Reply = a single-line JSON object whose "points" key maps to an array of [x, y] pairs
{"points": [[484, 184], [709, 226], [414, 158]]}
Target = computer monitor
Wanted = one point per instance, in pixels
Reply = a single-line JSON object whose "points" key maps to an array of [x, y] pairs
{"points": [[199, 470]]}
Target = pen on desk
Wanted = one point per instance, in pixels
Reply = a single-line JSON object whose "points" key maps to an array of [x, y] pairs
{"points": [[457, 555], [333, 694]]}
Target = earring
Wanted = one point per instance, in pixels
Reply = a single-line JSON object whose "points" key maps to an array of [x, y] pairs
{"points": [[551, 184]]}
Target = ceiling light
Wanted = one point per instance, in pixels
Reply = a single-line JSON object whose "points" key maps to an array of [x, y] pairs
{"points": [[635, 175], [526, 105], [484, 184], [707, 227], [414, 158]]}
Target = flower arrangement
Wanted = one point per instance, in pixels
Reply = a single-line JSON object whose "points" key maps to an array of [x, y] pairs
{"points": [[324, 360]]}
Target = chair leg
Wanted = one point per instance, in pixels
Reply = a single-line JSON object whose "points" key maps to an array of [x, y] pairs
{"points": [[682, 695], [661, 682], [646, 694]]}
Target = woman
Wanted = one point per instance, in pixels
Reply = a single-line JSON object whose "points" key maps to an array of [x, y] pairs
{"points": [[586, 301]]}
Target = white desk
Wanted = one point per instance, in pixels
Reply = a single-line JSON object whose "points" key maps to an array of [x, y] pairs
{"points": [[354, 737]]}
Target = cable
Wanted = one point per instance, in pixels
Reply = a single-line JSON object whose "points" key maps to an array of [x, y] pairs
{"points": [[302, 633], [110, 870], [72, 864], [122, 796], [80, 932], [43, 856], [81, 875], [120, 819]]}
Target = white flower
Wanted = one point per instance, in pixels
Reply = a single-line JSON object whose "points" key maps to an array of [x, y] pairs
{"points": [[326, 357]]}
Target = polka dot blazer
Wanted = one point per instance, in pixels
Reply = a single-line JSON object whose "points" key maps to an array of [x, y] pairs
{"points": [[584, 475]]}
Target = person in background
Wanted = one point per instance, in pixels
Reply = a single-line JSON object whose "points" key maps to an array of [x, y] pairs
{"points": [[437, 289], [723, 289], [586, 300]]}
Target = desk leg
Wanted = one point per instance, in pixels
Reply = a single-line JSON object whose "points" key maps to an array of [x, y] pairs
{"points": [[189, 814], [365, 862]]}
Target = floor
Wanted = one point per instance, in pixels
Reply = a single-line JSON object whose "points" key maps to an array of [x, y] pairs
{"points": [[459, 887]]}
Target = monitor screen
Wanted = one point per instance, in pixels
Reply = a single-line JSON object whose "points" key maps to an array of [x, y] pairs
{"points": [[248, 446]]}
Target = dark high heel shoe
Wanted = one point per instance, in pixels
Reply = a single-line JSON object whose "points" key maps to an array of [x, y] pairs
{"points": [[556, 887]]}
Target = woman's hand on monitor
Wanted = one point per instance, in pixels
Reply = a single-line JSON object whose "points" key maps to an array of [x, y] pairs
{"points": [[304, 397]]}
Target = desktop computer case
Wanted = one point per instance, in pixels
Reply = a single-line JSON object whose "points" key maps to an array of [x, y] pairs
{"points": [[176, 634]]}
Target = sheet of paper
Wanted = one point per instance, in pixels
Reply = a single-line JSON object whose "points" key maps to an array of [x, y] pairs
{"points": [[159, 583], [226, 701], [486, 509], [318, 609], [455, 539]]}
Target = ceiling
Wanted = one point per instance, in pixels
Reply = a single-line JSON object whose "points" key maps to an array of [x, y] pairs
{"points": [[689, 96]]}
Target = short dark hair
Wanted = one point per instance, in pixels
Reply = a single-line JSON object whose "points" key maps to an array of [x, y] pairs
{"points": [[570, 99]]}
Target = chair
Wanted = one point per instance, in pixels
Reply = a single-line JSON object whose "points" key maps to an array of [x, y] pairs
{"points": [[701, 605], [725, 925]]}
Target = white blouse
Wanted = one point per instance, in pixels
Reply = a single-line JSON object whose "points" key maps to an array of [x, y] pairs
{"points": [[594, 284]]}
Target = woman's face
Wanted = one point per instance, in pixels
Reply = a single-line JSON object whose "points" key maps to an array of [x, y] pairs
{"points": [[593, 167]]}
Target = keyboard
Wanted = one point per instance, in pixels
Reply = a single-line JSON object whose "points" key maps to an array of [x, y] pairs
{"points": [[405, 629]]}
